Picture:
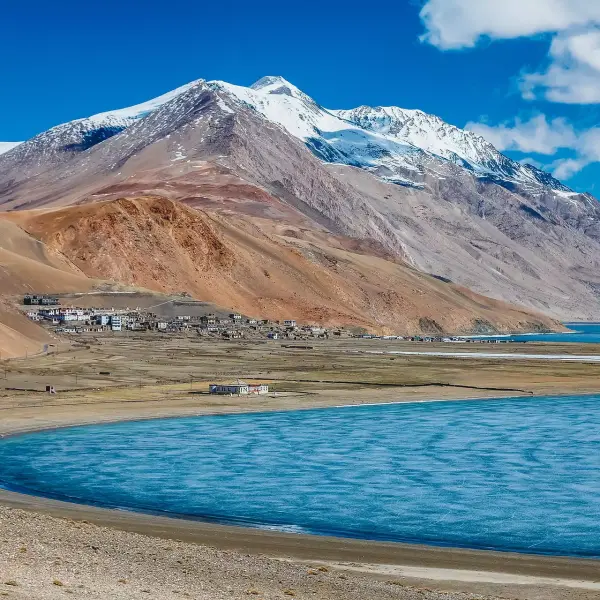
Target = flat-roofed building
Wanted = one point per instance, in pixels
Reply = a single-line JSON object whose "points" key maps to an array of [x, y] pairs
{"points": [[116, 323], [238, 388]]}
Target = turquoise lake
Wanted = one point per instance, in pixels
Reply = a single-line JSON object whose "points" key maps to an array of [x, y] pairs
{"points": [[518, 474], [581, 333]]}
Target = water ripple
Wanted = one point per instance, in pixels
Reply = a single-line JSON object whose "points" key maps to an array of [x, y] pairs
{"points": [[509, 474]]}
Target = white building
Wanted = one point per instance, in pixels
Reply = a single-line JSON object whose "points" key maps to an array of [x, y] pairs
{"points": [[259, 388], [289, 323], [70, 314], [68, 317], [67, 329], [116, 323], [238, 388]]}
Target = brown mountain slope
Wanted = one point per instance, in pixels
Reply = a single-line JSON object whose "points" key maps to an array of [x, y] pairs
{"points": [[19, 335], [164, 245], [539, 250], [28, 265]]}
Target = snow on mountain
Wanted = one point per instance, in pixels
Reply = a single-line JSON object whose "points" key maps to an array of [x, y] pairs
{"points": [[391, 142], [330, 138], [422, 130], [394, 144], [79, 135], [441, 139], [139, 111], [6, 146]]}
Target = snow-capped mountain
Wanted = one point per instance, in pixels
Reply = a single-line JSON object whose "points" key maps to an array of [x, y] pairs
{"points": [[441, 139], [329, 137], [6, 146], [57, 143], [461, 210], [394, 144]]}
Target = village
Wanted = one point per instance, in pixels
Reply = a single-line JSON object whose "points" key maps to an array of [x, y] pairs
{"points": [[73, 320], [49, 311]]}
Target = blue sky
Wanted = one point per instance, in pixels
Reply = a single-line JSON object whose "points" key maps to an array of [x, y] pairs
{"points": [[525, 73]]}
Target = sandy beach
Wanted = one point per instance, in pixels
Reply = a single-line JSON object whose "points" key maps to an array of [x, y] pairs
{"points": [[50, 548]]}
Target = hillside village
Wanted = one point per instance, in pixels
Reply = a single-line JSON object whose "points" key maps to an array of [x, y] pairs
{"points": [[74, 320], [49, 312]]}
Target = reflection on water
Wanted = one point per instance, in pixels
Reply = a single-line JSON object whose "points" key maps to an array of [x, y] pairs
{"points": [[519, 474]]}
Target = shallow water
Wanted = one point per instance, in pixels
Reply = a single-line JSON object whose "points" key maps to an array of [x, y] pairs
{"points": [[509, 474]]}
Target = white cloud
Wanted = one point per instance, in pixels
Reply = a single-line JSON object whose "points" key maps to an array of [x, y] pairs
{"points": [[565, 168], [536, 135], [453, 24], [572, 74], [542, 136], [588, 145]]}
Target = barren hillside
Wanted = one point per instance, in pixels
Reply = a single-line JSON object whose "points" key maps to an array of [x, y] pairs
{"points": [[18, 335], [253, 266], [27, 265], [440, 198]]}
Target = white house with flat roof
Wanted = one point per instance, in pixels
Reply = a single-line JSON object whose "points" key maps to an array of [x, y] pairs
{"points": [[238, 388]]}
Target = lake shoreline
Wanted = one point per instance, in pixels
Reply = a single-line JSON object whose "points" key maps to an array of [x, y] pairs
{"points": [[298, 547], [15, 487]]}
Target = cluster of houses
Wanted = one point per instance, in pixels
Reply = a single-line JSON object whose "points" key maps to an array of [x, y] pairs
{"points": [[413, 338], [235, 326], [75, 320], [37, 300], [439, 338], [69, 319]]}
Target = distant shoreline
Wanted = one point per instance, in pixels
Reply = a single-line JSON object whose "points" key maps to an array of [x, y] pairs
{"points": [[489, 355]]}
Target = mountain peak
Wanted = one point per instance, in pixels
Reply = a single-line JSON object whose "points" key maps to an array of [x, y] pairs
{"points": [[139, 111], [389, 141], [275, 84]]}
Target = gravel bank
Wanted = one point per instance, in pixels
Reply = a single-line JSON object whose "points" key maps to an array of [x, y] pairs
{"points": [[43, 558]]}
